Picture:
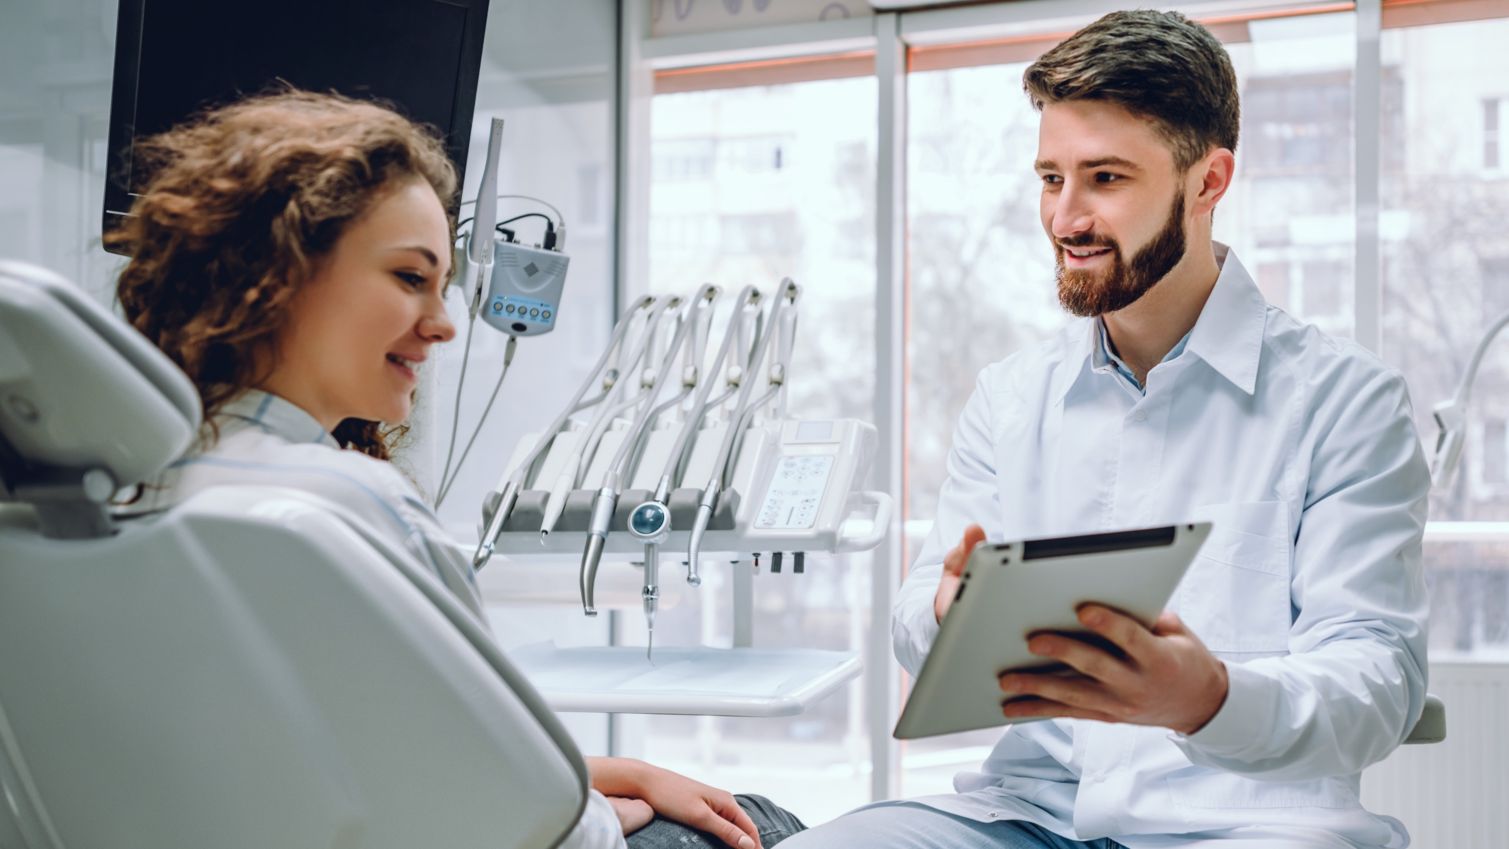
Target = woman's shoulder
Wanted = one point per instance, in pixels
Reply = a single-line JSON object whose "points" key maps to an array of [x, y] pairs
{"points": [[348, 478]]}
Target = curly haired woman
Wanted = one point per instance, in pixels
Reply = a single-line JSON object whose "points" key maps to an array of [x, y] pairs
{"points": [[291, 253]]}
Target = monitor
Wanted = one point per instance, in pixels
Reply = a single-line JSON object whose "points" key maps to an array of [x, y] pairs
{"points": [[174, 58]]}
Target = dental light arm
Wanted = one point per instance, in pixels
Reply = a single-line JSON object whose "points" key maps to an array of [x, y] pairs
{"points": [[515, 479], [786, 296], [1451, 416]]}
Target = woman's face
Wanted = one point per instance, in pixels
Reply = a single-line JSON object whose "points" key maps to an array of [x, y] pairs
{"points": [[361, 326]]}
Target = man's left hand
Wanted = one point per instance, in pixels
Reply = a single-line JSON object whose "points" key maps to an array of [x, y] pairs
{"points": [[1163, 677]]}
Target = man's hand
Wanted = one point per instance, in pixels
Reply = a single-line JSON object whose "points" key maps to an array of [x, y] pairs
{"points": [[674, 797], [633, 814], [953, 567], [1164, 677]]}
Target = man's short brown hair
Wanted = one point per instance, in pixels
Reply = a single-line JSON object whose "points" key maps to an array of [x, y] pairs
{"points": [[1158, 65]]}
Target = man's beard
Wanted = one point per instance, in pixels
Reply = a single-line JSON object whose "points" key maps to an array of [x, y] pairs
{"points": [[1091, 293]]}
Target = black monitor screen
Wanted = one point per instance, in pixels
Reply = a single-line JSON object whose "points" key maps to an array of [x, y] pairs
{"points": [[176, 57]]}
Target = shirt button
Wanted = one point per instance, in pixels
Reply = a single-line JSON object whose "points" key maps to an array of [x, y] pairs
{"points": [[1139, 416]]}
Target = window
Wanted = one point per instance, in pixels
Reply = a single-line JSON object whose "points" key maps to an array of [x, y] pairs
{"points": [[1493, 465], [1493, 136], [1444, 283], [774, 181]]}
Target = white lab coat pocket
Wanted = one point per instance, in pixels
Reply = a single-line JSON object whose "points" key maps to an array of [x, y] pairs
{"points": [[1235, 596]]}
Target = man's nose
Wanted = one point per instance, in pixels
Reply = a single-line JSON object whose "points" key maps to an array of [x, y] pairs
{"points": [[1071, 214]]}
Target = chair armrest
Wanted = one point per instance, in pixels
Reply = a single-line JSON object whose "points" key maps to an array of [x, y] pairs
{"points": [[1432, 725]]}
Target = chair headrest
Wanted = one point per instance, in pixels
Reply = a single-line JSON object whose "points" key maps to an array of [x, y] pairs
{"points": [[82, 390]]}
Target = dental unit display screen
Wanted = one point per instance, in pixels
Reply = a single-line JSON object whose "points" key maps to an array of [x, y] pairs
{"points": [[173, 58]]}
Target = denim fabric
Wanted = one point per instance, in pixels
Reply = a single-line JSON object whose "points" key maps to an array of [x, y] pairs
{"points": [[773, 822], [909, 825]]}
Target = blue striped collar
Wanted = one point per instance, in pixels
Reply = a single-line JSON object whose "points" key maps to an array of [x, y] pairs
{"points": [[275, 415]]}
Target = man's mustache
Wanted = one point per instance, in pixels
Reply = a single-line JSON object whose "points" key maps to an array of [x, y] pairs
{"points": [[1087, 240]]}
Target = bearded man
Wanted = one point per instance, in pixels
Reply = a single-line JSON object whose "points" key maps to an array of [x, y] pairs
{"points": [[1293, 653]]}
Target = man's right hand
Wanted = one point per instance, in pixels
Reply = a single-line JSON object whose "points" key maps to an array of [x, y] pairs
{"points": [[953, 567]]}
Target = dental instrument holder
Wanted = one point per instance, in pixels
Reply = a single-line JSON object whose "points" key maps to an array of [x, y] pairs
{"points": [[784, 486], [499, 504]]}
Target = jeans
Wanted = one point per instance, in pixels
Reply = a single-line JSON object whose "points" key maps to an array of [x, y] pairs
{"points": [[909, 825], [773, 822]]}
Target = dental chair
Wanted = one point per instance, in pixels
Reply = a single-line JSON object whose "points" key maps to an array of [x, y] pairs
{"points": [[252, 668]]}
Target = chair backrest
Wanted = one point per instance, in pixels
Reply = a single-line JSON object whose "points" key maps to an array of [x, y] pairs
{"points": [[253, 668]]}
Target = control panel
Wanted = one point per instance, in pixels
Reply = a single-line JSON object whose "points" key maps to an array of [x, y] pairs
{"points": [[795, 492], [524, 293]]}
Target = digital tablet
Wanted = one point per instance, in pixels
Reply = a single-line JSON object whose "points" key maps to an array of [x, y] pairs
{"points": [[1011, 590]]}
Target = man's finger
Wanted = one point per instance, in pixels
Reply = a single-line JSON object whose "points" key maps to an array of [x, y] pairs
{"points": [[958, 556], [1094, 661], [1035, 708], [1169, 624], [1071, 690], [1123, 631]]}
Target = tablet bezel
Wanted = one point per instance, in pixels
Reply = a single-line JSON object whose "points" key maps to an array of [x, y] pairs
{"points": [[1038, 585]]}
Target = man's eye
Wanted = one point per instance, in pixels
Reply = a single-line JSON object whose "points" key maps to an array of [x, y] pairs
{"points": [[1052, 179], [1107, 177]]}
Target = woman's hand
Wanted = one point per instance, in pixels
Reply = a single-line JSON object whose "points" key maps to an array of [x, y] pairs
{"points": [[633, 814], [676, 797]]}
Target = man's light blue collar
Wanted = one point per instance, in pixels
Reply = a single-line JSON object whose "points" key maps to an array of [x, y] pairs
{"points": [[275, 415], [1228, 335], [1104, 359]]}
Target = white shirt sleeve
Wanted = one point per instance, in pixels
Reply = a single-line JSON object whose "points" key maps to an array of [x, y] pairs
{"points": [[969, 496], [1354, 681], [598, 828]]}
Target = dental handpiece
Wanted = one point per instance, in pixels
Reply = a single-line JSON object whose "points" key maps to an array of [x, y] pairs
{"points": [[606, 501], [788, 294], [650, 523], [698, 410], [515, 481], [576, 467]]}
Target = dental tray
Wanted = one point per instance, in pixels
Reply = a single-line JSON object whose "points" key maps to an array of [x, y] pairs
{"points": [[696, 681]]}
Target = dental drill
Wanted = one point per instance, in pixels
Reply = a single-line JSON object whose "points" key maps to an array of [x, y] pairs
{"points": [[742, 410], [576, 467], [606, 501], [657, 509], [650, 521], [514, 482]]}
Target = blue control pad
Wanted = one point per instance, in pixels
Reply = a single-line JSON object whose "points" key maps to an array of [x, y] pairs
{"points": [[505, 310]]}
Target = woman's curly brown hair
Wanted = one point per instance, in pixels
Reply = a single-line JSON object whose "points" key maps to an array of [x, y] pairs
{"points": [[240, 206]]}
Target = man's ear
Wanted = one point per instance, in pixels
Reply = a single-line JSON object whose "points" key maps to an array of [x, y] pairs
{"points": [[1214, 174]]}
